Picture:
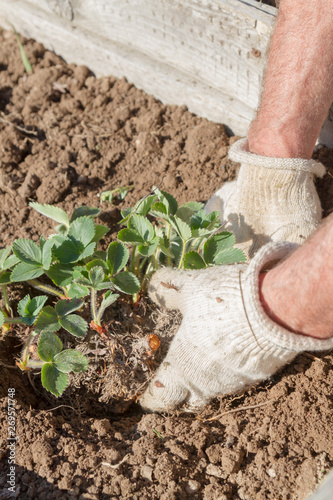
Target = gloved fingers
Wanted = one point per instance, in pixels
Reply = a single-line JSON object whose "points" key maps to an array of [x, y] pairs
{"points": [[167, 287], [165, 392]]}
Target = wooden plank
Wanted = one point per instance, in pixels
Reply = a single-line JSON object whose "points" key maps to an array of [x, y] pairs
{"points": [[207, 54]]}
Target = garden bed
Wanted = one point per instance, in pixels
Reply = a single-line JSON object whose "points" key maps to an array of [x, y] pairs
{"points": [[65, 137]]}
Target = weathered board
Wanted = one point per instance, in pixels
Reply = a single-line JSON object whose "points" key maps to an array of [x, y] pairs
{"points": [[206, 54]]}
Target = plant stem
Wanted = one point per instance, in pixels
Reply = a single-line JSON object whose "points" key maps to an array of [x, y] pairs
{"points": [[6, 300], [46, 288], [133, 259], [182, 255], [94, 312], [34, 363], [168, 237], [13, 320], [26, 345]]}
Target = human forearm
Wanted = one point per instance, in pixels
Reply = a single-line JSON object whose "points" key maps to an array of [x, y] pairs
{"points": [[298, 87]]}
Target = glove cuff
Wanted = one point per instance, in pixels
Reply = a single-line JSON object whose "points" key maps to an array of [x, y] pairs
{"points": [[264, 329], [240, 154]]}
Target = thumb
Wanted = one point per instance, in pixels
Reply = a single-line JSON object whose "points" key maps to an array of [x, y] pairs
{"points": [[165, 391], [166, 288]]}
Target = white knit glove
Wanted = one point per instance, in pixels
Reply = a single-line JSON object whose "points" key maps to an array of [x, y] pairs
{"points": [[273, 199], [226, 341]]}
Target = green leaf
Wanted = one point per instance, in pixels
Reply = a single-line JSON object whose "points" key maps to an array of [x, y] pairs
{"points": [[192, 260], [97, 262], [100, 232], [195, 206], [74, 324], [64, 307], [216, 244], [34, 307], [126, 282], [83, 281], [83, 230], [142, 226], [101, 255], [53, 380], [4, 252], [230, 256], [5, 278], [27, 251], [84, 212], [130, 236], [49, 345], [25, 60], [2, 318], [21, 306], [77, 291], [70, 361], [149, 248], [61, 229], [203, 220], [54, 213], [31, 307], [164, 246], [24, 272], [88, 251], [108, 300], [181, 228], [69, 251], [118, 255], [143, 206], [104, 286], [47, 320], [159, 209], [61, 274], [168, 201], [185, 214], [96, 276], [11, 261], [47, 254], [125, 213]]}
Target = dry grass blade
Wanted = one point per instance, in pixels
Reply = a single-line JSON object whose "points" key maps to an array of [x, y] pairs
{"points": [[235, 410]]}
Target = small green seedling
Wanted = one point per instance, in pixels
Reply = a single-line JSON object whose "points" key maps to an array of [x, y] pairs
{"points": [[25, 60], [120, 192]]}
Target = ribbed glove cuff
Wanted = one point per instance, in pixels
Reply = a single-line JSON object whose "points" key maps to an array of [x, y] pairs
{"points": [[263, 327], [240, 154]]}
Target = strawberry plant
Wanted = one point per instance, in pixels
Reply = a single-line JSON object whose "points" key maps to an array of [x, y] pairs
{"points": [[162, 233], [68, 266]]}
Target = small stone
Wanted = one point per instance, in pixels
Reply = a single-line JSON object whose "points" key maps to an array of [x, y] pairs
{"points": [[82, 179], [229, 441], [271, 472], [192, 486], [214, 470], [147, 472]]}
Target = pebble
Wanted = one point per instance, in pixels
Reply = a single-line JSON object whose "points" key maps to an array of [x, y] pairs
{"points": [[271, 472], [214, 470], [192, 486], [147, 472]]}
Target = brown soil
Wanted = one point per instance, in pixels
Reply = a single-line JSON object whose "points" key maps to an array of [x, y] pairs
{"points": [[66, 136]]}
